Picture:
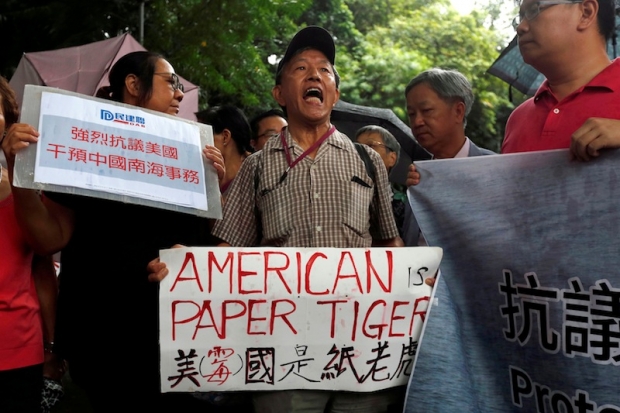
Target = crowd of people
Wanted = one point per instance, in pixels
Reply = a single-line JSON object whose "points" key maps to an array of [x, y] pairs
{"points": [[286, 181]]}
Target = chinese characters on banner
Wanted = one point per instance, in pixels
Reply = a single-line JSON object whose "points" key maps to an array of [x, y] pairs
{"points": [[284, 318], [528, 301], [120, 150]]}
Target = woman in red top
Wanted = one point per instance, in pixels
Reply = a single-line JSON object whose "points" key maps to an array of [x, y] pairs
{"points": [[107, 319], [22, 274]]}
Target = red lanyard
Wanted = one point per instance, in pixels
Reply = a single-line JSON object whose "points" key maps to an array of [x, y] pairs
{"points": [[311, 149], [315, 145], [224, 187]]}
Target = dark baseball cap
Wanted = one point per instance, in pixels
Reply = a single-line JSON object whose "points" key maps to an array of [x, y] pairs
{"points": [[314, 37]]}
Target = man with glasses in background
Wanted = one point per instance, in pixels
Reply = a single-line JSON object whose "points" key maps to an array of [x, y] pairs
{"points": [[577, 106], [382, 141], [265, 125], [387, 146]]}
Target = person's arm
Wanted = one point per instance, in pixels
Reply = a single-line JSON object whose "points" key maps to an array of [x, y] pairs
{"points": [[46, 284], [47, 226], [595, 134]]}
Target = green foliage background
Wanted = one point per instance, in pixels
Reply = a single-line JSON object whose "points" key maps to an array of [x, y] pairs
{"points": [[228, 47]]}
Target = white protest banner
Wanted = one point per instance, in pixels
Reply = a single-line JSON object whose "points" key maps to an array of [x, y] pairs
{"points": [[528, 301], [285, 318], [105, 149]]}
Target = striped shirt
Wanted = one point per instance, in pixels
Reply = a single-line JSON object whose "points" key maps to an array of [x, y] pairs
{"points": [[328, 201]]}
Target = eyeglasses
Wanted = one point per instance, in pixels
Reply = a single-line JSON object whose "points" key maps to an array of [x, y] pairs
{"points": [[174, 80], [534, 10], [269, 134], [373, 145]]}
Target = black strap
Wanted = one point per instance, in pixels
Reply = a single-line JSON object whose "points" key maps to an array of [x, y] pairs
{"points": [[370, 166], [259, 229], [368, 163]]}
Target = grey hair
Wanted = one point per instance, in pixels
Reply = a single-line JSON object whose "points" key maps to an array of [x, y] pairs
{"points": [[389, 140], [450, 85]]}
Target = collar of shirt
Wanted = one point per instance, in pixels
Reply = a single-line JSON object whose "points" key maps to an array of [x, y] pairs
{"points": [[464, 151], [604, 79], [336, 139]]}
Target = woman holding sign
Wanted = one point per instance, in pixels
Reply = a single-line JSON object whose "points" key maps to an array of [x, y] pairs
{"points": [[107, 324]]}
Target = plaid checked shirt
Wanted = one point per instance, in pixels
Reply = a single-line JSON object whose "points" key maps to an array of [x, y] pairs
{"points": [[329, 201]]}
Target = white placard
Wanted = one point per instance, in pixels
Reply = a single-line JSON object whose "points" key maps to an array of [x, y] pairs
{"points": [[285, 318], [122, 151], [96, 147]]}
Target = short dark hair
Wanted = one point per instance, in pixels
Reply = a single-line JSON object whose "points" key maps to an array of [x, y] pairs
{"points": [[256, 120], [10, 108], [606, 18], [232, 118], [142, 65]]}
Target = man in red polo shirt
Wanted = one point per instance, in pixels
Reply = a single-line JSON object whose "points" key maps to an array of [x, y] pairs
{"points": [[578, 105]]}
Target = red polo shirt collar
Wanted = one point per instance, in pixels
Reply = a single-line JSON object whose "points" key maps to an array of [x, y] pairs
{"points": [[605, 79]]}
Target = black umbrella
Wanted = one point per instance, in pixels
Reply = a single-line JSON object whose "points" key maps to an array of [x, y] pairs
{"points": [[348, 118], [511, 68]]}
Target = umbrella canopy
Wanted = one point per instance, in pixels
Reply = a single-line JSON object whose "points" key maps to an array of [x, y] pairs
{"points": [[511, 68], [84, 69], [348, 118]]}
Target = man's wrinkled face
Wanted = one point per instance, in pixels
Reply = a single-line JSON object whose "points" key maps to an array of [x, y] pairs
{"points": [[308, 87], [434, 121], [375, 141]]}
